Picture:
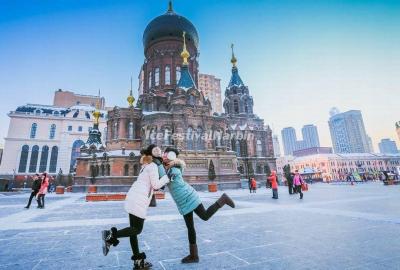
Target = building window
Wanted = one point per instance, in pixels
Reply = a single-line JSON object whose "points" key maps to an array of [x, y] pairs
{"points": [[105, 134], [153, 136], [236, 106], [178, 74], [53, 159], [34, 159], [37, 112], [52, 131], [189, 139], [102, 169], [126, 170], [199, 139], [157, 76], [23, 160], [69, 128], [108, 170], [115, 131], [135, 170], [43, 159], [131, 131], [76, 151], [80, 128], [150, 79], [167, 75], [33, 131], [259, 148], [218, 138], [167, 137], [246, 106]]}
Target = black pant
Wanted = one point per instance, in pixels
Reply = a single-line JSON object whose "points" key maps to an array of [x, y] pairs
{"points": [[275, 193], [33, 194], [40, 200], [202, 213], [290, 187], [298, 189], [136, 227]]}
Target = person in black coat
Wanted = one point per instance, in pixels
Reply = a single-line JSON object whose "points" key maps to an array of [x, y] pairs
{"points": [[35, 189], [290, 183]]}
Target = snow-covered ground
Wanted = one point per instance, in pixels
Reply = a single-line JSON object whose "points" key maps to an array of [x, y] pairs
{"points": [[333, 227]]}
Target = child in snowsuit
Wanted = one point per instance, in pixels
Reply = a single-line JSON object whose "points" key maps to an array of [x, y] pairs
{"points": [[188, 201]]}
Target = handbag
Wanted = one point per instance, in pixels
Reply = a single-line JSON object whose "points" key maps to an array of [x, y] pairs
{"points": [[153, 202], [304, 186]]}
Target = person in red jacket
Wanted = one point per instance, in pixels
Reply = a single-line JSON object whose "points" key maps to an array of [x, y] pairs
{"points": [[274, 184], [253, 185]]}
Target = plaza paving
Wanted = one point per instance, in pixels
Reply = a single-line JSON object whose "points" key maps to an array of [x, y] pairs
{"points": [[334, 227]]}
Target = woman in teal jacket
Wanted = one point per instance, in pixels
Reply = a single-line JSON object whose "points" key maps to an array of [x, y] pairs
{"points": [[188, 201]]}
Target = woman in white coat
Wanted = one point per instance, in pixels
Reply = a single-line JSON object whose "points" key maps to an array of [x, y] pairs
{"points": [[136, 204]]}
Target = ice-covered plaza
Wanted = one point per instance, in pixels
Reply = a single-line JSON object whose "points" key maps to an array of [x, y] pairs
{"points": [[333, 227]]}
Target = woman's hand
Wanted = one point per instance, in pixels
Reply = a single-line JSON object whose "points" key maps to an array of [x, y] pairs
{"points": [[169, 165]]}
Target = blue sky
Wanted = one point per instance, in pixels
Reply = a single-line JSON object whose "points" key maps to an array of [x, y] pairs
{"points": [[299, 58]]}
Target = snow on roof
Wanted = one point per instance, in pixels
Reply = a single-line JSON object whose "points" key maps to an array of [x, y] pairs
{"points": [[155, 112], [119, 152]]}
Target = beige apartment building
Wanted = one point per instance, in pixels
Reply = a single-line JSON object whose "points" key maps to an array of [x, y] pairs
{"points": [[66, 99], [210, 86]]}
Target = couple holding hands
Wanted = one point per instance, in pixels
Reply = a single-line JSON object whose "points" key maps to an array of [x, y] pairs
{"points": [[160, 169]]}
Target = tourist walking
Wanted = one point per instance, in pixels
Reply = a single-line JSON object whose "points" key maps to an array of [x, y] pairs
{"points": [[249, 183], [297, 182], [188, 201], [136, 204], [253, 185], [289, 179], [35, 189], [43, 190], [274, 184]]}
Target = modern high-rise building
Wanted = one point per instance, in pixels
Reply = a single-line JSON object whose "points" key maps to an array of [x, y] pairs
{"points": [[210, 86], [348, 132], [276, 145], [387, 146], [370, 145], [289, 140], [310, 136]]}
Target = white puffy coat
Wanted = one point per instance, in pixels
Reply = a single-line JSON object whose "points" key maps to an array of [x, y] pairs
{"points": [[139, 196]]}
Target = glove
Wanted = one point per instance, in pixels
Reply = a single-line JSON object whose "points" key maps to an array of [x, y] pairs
{"points": [[170, 175]]}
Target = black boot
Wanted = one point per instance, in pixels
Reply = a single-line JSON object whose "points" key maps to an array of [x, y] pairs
{"points": [[139, 261], [109, 238], [225, 199], [193, 257]]}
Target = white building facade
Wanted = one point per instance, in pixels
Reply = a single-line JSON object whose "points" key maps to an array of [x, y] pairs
{"points": [[46, 138], [338, 166]]}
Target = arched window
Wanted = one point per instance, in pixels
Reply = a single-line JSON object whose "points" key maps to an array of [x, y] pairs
{"points": [[33, 131], [237, 144], [167, 136], [23, 160], [157, 77], [102, 169], [246, 106], [259, 148], [53, 159], [52, 131], [153, 136], [178, 74], [235, 106], [126, 170], [115, 131], [167, 75], [131, 131], [199, 139], [259, 169], [76, 151], [43, 159], [189, 139], [108, 171], [135, 170], [150, 79], [105, 134], [218, 138], [34, 159], [192, 99]]}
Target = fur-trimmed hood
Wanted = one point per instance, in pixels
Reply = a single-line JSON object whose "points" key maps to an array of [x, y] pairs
{"points": [[178, 163]]}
